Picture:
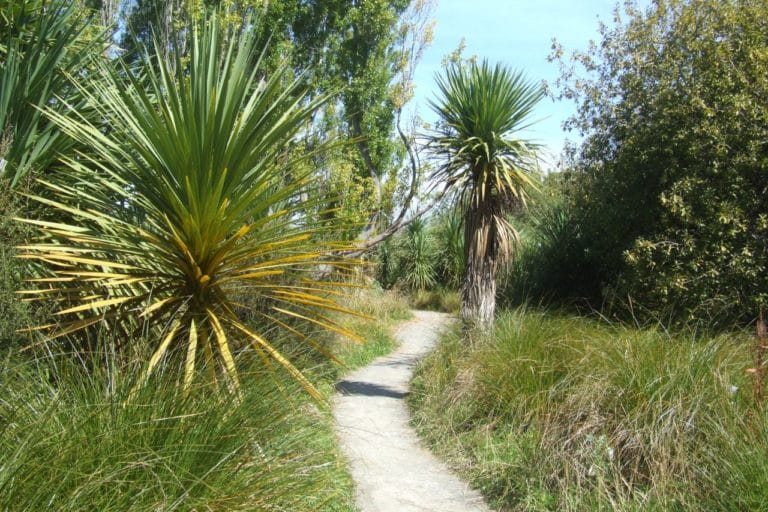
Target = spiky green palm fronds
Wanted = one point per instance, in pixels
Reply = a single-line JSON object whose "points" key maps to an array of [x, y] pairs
{"points": [[189, 200], [481, 109], [41, 44]]}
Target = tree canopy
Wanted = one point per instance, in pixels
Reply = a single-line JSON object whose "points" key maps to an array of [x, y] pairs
{"points": [[360, 52], [669, 186]]}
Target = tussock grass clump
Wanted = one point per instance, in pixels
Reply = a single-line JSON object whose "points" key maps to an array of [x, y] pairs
{"points": [[566, 413], [77, 440], [86, 432], [383, 305], [441, 299]]}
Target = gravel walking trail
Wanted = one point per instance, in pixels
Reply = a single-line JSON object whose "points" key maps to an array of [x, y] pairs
{"points": [[393, 472]]}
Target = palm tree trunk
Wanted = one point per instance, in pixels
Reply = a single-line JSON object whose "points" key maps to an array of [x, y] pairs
{"points": [[478, 294]]}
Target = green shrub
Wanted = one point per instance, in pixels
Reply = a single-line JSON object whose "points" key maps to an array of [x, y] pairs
{"points": [[45, 43], [190, 201], [669, 184], [550, 264], [562, 413], [408, 259], [427, 255], [418, 255], [14, 314]]}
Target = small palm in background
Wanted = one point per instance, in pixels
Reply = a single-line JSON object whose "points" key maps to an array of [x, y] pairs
{"points": [[419, 256], [410, 259], [192, 200], [449, 230]]}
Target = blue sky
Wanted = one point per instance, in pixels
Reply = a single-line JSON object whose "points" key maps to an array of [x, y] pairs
{"points": [[518, 33]]}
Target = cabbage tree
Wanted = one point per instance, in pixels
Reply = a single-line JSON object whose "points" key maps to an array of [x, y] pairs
{"points": [[186, 214], [480, 109]]}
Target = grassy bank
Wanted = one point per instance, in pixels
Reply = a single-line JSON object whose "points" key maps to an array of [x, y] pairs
{"points": [[382, 310], [564, 413], [439, 299], [73, 438]]}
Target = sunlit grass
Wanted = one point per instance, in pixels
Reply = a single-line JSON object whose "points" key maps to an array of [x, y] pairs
{"points": [[72, 440], [565, 413], [382, 310], [440, 299], [76, 434]]}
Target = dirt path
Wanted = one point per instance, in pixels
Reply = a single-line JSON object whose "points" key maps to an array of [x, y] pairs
{"points": [[392, 471]]}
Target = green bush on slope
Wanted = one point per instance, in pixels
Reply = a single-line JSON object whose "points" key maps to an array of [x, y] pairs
{"points": [[664, 198]]}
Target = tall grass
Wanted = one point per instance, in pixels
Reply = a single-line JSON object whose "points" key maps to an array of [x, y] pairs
{"points": [[73, 436], [380, 310], [565, 413], [77, 440], [438, 299]]}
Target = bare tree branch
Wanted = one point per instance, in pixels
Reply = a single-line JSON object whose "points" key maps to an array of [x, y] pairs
{"points": [[416, 37]]}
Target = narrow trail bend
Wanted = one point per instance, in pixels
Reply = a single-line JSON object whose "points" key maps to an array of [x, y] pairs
{"points": [[393, 472]]}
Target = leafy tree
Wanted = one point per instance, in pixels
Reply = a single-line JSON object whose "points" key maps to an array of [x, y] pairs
{"points": [[150, 21], [367, 60], [480, 109], [363, 52], [107, 11], [191, 201], [670, 183]]}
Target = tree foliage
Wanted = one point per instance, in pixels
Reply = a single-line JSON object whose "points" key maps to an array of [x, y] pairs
{"points": [[670, 183], [362, 52]]}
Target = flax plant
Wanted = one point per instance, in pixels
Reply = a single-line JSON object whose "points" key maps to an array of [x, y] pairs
{"points": [[419, 258], [190, 200], [41, 43]]}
